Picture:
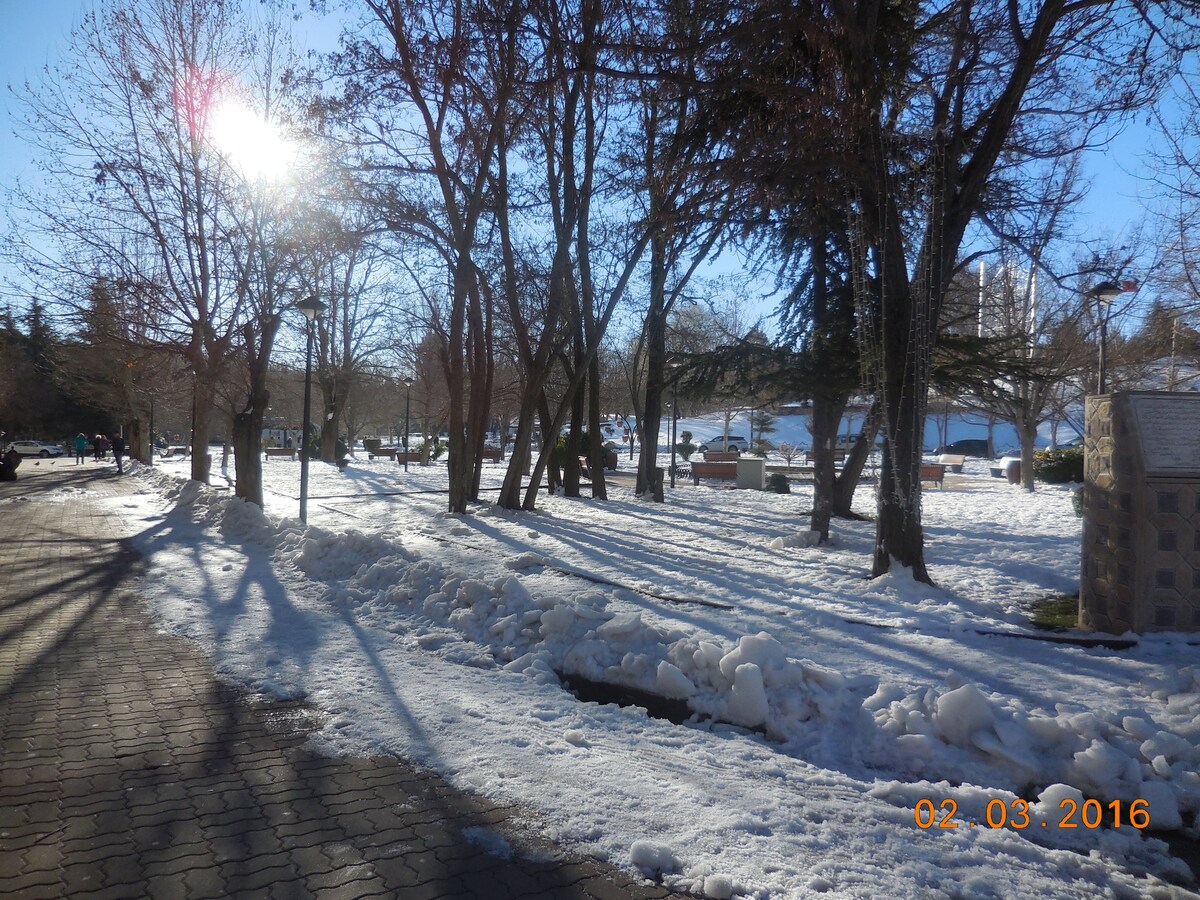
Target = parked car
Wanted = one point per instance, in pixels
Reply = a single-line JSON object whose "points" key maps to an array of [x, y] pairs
{"points": [[735, 442], [1076, 441], [36, 448], [966, 447]]}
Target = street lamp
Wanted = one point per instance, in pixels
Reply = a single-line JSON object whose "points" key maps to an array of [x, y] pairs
{"points": [[311, 307], [673, 367], [1104, 293], [408, 383]]}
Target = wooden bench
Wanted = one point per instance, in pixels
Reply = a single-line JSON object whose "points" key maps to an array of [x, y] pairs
{"points": [[717, 456], [491, 454], [384, 452], [933, 472], [839, 457], [289, 452], [952, 461], [722, 471], [414, 456]]}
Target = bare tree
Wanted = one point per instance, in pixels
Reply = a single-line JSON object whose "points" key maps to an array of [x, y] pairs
{"points": [[132, 182]]}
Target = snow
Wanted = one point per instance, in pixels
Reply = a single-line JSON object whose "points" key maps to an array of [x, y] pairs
{"points": [[826, 706]]}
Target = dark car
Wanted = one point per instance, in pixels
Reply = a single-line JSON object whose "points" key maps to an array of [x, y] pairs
{"points": [[966, 447]]}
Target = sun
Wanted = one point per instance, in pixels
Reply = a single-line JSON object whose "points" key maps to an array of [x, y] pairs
{"points": [[250, 143]]}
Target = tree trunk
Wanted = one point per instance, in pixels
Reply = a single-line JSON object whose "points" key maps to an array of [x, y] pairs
{"points": [[248, 424], [1027, 433], [826, 415], [598, 455], [844, 485], [202, 410], [648, 480], [898, 532]]}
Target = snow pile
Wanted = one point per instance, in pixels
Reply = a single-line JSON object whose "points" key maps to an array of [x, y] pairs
{"points": [[814, 736], [956, 732], [966, 735]]}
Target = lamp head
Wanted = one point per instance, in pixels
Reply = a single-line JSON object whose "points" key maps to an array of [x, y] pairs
{"points": [[1106, 292], [408, 381], [311, 307]]}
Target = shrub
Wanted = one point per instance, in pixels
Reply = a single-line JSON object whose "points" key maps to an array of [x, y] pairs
{"points": [[1059, 466], [778, 483]]}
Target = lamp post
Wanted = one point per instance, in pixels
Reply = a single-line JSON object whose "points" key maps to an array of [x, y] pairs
{"points": [[408, 383], [1104, 293], [311, 307], [673, 367]]}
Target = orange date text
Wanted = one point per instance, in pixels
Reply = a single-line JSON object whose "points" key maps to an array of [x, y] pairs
{"points": [[1015, 814]]}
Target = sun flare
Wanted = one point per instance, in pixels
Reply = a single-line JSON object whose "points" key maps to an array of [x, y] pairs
{"points": [[250, 143]]}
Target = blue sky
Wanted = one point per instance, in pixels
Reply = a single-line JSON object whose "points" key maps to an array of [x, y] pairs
{"points": [[34, 32]]}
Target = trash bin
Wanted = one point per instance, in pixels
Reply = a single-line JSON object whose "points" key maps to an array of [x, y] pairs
{"points": [[1012, 469]]}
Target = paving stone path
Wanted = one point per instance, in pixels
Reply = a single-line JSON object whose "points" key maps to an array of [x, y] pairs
{"points": [[128, 770]]}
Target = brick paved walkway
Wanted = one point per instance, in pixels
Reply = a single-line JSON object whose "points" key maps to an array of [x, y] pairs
{"points": [[126, 770]]}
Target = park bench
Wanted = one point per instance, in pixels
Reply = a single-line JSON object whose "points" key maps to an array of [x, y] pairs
{"points": [[933, 472], [721, 471], [952, 461], [289, 452], [414, 456], [839, 457], [491, 454], [719, 456], [383, 452]]}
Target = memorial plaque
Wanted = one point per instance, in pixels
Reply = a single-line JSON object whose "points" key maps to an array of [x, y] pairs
{"points": [[1141, 513], [1169, 428]]}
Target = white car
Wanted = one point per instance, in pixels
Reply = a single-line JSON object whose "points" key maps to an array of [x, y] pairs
{"points": [[36, 448], [733, 442]]}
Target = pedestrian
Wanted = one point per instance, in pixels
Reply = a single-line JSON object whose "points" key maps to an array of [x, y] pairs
{"points": [[96, 447], [105, 446], [118, 449], [81, 443]]}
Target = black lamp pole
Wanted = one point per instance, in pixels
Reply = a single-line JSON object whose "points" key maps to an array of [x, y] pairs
{"points": [[1105, 293], [673, 368], [408, 383], [311, 307]]}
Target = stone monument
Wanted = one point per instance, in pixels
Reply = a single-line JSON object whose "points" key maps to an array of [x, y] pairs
{"points": [[1140, 566]]}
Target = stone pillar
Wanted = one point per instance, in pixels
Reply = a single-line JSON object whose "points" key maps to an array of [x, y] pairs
{"points": [[1140, 560]]}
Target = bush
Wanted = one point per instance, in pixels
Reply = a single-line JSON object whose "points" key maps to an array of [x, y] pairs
{"points": [[1059, 466], [778, 483]]}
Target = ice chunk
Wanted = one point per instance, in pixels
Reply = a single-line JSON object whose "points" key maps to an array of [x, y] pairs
{"points": [[525, 561], [1100, 763], [653, 858], [1164, 806], [760, 649], [718, 887], [671, 682], [748, 701], [558, 620], [1050, 801], [962, 712], [1140, 728]]}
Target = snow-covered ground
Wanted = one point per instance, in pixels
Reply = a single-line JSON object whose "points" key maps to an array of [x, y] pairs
{"points": [[832, 715]]}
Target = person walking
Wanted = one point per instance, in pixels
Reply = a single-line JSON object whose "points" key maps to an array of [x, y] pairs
{"points": [[81, 443], [118, 449], [96, 447]]}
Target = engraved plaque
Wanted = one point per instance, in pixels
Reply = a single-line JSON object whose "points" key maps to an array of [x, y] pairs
{"points": [[1170, 433]]}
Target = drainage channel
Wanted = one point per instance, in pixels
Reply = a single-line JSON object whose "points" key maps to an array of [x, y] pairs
{"points": [[1182, 846]]}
